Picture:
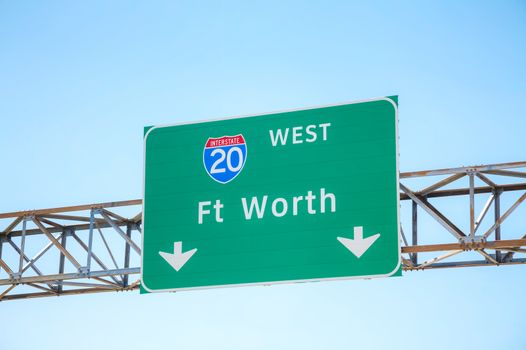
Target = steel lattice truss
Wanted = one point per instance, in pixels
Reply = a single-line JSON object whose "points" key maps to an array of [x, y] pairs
{"points": [[89, 249], [95, 248], [477, 244]]}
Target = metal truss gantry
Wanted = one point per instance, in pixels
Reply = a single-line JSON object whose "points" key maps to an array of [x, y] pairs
{"points": [[94, 248]]}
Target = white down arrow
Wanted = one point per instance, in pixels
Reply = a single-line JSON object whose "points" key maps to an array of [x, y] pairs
{"points": [[178, 258], [359, 245]]}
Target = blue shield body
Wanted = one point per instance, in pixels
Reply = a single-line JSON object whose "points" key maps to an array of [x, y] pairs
{"points": [[225, 157]]}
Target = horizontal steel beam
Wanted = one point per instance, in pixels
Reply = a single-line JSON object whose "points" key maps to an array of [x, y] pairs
{"points": [[66, 292], [70, 276], [465, 169], [470, 263], [465, 191], [75, 227], [15, 214], [510, 243]]}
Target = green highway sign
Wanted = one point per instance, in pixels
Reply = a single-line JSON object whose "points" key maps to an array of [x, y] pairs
{"points": [[303, 195]]}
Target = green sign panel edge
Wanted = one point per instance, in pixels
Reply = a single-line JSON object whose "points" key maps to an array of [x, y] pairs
{"points": [[393, 100]]}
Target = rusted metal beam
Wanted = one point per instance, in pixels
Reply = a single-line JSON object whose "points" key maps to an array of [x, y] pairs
{"points": [[458, 264], [440, 184], [70, 276], [64, 293], [475, 168], [10, 228], [509, 243], [438, 258], [121, 233], [506, 173], [113, 215], [79, 227], [509, 255], [465, 191], [69, 217], [505, 215], [434, 212], [71, 208], [484, 211], [6, 267], [56, 243], [93, 255], [486, 180]]}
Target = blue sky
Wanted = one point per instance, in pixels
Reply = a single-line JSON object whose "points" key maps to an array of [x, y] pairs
{"points": [[80, 80]]}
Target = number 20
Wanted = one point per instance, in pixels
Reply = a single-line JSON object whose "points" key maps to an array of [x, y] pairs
{"points": [[215, 169]]}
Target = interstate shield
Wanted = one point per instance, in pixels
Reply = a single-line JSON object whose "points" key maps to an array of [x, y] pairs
{"points": [[224, 157]]}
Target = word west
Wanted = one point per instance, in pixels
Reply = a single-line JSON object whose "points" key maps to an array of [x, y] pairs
{"points": [[299, 134], [258, 207]]}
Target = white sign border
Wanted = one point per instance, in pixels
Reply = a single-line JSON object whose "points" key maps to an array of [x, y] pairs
{"points": [[395, 106]]}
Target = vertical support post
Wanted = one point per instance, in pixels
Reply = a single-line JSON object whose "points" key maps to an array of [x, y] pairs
{"points": [[90, 239], [62, 258], [414, 256], [471, 204], [127, 254], [22, 247], [497, 193]]}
